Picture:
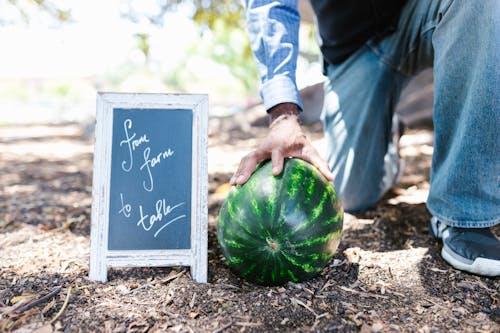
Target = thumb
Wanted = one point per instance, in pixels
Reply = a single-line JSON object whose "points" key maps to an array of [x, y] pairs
{"points": [[277, 161]]}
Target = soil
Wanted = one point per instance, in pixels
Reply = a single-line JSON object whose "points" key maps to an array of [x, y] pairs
{"points": [[387, 275]]}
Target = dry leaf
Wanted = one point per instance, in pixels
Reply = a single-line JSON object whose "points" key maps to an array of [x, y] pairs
{"points": [[43, 227], [353, 255], [223, 189]]}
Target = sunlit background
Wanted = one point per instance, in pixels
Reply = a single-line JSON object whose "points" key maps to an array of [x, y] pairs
{"points": [[55, 55]]}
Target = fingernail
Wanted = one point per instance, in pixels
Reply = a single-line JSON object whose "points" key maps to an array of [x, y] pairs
{"points": [[275, 170], [240, 179]]}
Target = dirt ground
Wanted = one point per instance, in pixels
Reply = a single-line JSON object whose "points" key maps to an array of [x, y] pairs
{"points": [[387, 275]]}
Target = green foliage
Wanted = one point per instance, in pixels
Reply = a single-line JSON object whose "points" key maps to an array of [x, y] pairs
{"points": [[208, 13], [229, 45], [143, 44], [204, 12], [223, 38]]}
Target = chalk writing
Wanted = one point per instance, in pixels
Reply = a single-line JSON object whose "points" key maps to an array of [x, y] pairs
{"points": [[148, 221], [131, 144], [163, 210], [150, 180], [126, 208], [151, 163]]}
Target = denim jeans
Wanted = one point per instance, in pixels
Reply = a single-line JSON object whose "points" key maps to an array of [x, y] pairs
{"points": [[460, 40]]}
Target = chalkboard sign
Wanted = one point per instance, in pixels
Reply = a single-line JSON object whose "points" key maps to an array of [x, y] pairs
{"points": [[150, 183]]}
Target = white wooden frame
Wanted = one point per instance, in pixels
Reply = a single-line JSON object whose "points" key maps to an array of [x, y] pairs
{"points": [[196, 257]]}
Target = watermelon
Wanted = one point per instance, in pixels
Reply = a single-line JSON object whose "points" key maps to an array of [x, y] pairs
{"points": [[275, 229]]}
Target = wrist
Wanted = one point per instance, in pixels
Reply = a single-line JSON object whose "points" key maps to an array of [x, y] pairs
{"points": [[283, 110]]}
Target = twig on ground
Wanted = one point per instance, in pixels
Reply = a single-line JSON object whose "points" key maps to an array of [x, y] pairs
{"points": [[247, 324], [65, 304], [166, 280], [173, 277], [299, 302], [42, 299], [436, 304], [361, 293], [223, 328], [326, 285], [191, 304]]}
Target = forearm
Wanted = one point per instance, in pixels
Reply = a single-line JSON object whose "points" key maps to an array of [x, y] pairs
{"points": [[273, 31]]}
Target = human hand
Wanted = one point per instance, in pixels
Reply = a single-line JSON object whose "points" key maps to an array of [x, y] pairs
{"points": [[285, 139]]}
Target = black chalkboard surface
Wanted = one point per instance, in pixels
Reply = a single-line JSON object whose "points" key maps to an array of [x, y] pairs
{"points": [[150, 183], [150, 197]]}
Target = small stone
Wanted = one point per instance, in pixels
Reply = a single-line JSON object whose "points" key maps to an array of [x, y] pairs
{"points": [[123, 290]]}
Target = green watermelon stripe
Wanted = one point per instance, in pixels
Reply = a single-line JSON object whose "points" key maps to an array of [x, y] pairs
{"points": [[318, 240], [273, 272], [290, 258], [234, 244], [250, 269], [255, 207], [242, 225], [318, 208], [316, 213], [296, 177], [333, 219], [292, 276], [256, 210], [311, 187], [282, 221], [306, 266], [288, 187], [235, 260], [234, 216], [234, 235], [272, 200]]}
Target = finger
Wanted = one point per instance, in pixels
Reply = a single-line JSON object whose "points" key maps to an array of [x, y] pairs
{"points": [[323, 168], [277, 158], [246, 168], [312, 156]]}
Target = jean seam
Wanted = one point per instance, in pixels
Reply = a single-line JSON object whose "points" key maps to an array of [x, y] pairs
{"points": [[464, 224]]}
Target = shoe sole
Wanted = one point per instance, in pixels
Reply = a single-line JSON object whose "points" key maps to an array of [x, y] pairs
{"points": [[480, 266]]}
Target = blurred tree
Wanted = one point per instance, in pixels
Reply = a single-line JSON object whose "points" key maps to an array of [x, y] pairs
{"points": [[16, 11], [221, 24], [204, 12], [221, 27], [143, 44]]}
